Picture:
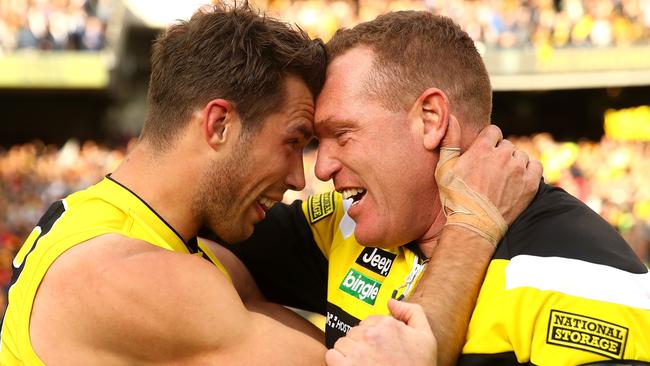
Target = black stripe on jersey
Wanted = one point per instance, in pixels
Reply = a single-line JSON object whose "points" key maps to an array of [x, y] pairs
{"points": [[193, 247], [415, 248], [337, 324], [46, 222], [557, 224], [188, 245], [495, 359]]}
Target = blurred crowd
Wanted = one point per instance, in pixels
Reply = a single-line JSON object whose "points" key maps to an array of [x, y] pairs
{"points": [[53, 24], [81, 24], [34, 175], [493, 23], [611, 177]]}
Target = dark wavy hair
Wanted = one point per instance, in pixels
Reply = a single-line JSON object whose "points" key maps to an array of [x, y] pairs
{"points": [[229, 52]]}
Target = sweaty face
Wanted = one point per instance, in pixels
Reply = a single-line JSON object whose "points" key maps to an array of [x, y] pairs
{"points": [[374, 155], [238, 191]]}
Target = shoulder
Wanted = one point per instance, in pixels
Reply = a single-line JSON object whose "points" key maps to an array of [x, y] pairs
{"points": [[557, 224], [139, 299]]}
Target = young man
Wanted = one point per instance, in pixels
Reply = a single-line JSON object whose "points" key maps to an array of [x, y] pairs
{"points": [[563, 288], [115, 275]]}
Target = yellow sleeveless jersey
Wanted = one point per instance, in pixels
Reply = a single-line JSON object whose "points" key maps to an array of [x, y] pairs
{"points": [[106, 207], [563, 287]]}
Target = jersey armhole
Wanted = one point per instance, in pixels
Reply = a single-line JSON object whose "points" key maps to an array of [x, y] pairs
{"points": [[213, 258]]}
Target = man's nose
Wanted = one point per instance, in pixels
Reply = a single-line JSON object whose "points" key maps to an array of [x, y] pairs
{"points": [[326, 162], [296, 177]]}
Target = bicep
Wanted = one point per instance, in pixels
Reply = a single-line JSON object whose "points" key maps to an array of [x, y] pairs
{"points": [[185, 309], [239, 336], [285, 261]]}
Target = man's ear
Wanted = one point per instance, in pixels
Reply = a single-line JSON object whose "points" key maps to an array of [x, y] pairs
{"points": [[218, 120], [431, 109]]}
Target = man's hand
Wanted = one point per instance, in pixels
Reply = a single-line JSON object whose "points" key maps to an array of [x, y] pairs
{"points": [[404, 339], [487, 187], [493, 168]]}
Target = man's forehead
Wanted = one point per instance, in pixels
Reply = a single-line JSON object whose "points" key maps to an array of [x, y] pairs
{"points": [[338, 102], [350, 68], [346, 77], [321, 125], [361, 56], [303, 127]]}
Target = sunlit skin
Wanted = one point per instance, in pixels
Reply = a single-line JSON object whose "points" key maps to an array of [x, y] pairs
{"points": [[256, 171], [232, 173], [210, 174], [363, 144]]}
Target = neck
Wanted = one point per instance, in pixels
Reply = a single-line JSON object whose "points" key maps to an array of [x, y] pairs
{"points": [[162, 181], [429, 241]]}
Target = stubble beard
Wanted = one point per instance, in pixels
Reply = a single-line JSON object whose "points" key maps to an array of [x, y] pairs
{"points": [[217, 202]]}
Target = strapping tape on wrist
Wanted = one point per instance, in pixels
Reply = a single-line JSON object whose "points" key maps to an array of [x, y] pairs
{"points": [[464, 207]]}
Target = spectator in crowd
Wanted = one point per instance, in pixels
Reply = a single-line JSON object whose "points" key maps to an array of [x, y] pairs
{"points": [[494, 23], [53, 25], [80, 24], [610, 176]]}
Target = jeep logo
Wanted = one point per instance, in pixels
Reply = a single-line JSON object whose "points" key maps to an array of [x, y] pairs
{"points": [[376, 260]]}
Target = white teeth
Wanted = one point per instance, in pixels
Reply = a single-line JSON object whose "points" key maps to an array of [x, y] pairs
{"points": [[351, 192], [267, 202]]}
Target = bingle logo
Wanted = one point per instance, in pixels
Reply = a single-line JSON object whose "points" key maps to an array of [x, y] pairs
{"points": [[376, 260], [363, 288]]}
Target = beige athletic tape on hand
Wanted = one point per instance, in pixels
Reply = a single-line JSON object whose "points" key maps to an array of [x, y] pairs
{"points": [[463, 206]]}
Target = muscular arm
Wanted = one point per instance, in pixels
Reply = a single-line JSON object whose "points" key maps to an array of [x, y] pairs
{"points": [[449, 287], [152, 306], [254, 300], [450, 284]]}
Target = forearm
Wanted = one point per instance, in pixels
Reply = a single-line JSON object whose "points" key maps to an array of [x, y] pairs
{"points": [[449, 287]]}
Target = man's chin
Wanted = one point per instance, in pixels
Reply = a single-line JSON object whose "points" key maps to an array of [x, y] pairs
{"points": [[369, 238], [232, 237]]}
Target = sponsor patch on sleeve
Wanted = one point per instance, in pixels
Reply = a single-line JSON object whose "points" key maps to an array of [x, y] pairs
{"points": [[587, 334], [320, 206]]}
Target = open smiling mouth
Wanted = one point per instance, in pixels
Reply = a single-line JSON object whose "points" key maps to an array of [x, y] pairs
{"points": [[355, 193], [266, 203]]}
